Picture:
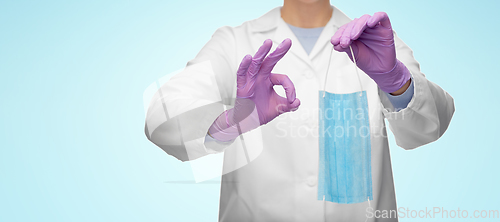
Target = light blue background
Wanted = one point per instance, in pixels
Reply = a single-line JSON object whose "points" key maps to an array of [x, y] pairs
{"points": [[72, 145]]}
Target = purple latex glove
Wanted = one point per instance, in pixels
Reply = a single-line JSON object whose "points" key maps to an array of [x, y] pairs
{"points": [[372, 43], [256, 101]]}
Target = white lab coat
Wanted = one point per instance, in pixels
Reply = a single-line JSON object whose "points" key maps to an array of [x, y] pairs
{"points": [[271, 173]]}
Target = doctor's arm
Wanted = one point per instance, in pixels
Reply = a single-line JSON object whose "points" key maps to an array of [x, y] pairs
{"points": [[183, 109], [429, 111]]}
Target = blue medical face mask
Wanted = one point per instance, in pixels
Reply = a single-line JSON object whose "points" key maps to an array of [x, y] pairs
{"points": [[345, 148]]}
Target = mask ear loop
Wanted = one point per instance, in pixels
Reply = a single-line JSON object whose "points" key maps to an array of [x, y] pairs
{"points": [[370, 206], [355, 67], [326, 75], [357, 73]]}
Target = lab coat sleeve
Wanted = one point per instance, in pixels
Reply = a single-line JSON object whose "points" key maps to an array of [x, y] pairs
{"points": [[429, 112], [183, 108]]}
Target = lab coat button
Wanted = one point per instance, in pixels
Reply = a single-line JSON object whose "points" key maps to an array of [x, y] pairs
{"points": [[311, 182]]}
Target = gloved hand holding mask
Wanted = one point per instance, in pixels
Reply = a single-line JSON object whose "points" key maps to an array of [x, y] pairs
{"points": [[372, 42]]}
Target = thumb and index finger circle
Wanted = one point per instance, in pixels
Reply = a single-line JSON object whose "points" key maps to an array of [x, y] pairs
{"points": [[283, 80]]}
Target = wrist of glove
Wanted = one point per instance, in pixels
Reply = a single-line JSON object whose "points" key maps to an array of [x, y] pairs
{"points": [[392, 80], [233, 122]]}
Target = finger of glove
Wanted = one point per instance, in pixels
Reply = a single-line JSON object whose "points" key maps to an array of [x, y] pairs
{"points": [[273, 58], [283, 80], [259, 57], [293, 106], [284, 106], [336, 37], [241, 74], [379, 17], [345, 40], [339, 48], [359, 27]]}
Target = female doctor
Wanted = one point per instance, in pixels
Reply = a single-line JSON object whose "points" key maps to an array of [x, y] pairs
{"points": [[315, 149]]}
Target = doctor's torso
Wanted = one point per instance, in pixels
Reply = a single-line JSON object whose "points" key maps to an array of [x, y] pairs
{"points": [[281, 184]]}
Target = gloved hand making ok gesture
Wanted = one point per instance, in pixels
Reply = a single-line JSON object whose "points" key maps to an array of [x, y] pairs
{"points": [[372, 42], [256, 101]]}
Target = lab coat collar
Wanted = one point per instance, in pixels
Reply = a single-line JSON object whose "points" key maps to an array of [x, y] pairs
{"points": [[272, 20]]}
